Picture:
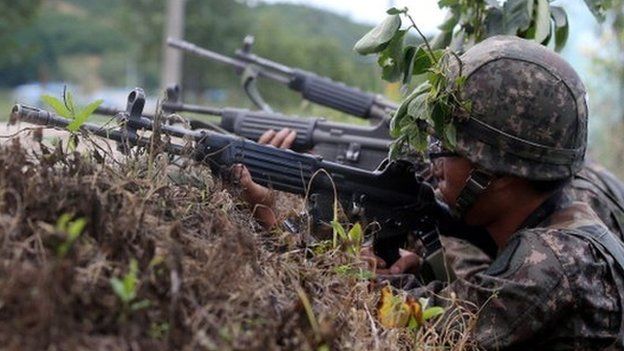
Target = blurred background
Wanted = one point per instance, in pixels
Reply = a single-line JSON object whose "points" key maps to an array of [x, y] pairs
{"points": [[102, 49]]}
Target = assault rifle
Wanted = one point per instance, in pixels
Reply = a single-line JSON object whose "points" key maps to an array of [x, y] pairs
{"points": [[391, 202], [357, 146], [320, 90]]}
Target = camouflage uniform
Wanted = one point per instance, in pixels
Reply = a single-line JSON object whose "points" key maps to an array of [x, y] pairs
{"points": [[593, 185], [558, 283], [602, 190], [549, 288]]}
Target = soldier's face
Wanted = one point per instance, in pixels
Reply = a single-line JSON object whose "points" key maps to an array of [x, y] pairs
{"points": [[451, 174]]}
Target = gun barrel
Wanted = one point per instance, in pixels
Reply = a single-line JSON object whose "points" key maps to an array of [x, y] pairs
{"points": [[261, 61], [180, 107], [240, 65], [111, 111], [39, 116]]}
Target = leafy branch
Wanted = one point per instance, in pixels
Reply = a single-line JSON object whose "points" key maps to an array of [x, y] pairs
{"points": [[430, 107], [68, 109]]}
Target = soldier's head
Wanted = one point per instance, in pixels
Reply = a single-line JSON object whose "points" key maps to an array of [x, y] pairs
{"points": [[527, 119]]}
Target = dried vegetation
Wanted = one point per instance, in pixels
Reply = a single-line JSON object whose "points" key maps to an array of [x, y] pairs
{"points": [[206, 277]]}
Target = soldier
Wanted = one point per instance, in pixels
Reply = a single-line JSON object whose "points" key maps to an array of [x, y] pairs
{"points": [[557, 280]]}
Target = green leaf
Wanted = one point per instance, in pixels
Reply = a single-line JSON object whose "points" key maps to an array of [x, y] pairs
{"points": [[542, 21], [62, 222], [396, 11], [422, 61], [391, 58], [409, 55], [432, 312], [57, 105], [447, 3], [83, 115], [379, 37], [76, 227], [130, 279], [69, 102], [119, 289], [450, 133], [355, 233], [517, 16], [418, 107], [339, 230], [560, 18]]}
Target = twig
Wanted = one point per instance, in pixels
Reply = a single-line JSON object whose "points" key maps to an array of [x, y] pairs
{"points": [[429, 50]]}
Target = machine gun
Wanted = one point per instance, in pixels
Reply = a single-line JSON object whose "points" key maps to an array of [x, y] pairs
{"points": [[357, 146], [391, 202], [317, 89]]}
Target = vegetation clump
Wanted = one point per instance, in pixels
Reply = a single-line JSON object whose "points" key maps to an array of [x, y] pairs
{"points": [[100, 251]]}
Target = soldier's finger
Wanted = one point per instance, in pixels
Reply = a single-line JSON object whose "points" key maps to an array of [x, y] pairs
{"points": [[367, 254], [288, 141], [266, 137], [409, 262], [236, 171], [279, 137]]}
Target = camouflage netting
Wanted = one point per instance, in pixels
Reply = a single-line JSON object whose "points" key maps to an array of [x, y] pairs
{"points": [[207, 277]]}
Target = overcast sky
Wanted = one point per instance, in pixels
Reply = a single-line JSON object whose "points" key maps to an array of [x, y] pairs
{"points": [[426, 13]]}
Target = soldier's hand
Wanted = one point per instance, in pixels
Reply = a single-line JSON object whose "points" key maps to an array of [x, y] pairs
{"points": [[282, 139], [259, 197], [409, 262]]}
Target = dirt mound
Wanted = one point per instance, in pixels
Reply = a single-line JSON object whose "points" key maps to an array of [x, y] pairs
{"points": [[145, 253]]}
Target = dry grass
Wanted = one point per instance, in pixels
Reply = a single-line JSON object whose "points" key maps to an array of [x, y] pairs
{"points": [[213, 280]]}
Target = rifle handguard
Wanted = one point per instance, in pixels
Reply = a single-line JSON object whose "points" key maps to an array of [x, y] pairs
{"points": [[327, 92]]}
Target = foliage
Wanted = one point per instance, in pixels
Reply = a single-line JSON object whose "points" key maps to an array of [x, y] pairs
{"points": [[72, 230], [400, 311], [350, 240], [432, 106], [39, 43], [126, 288], [67, 108]]}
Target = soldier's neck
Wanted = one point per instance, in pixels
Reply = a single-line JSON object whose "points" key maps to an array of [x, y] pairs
{"points": [[513, 214]]}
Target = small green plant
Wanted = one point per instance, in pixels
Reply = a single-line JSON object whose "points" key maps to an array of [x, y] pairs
{"points": [[126, 289], [158, 330], [68, 109], [72, 230], [350, 240], [358, 273]]}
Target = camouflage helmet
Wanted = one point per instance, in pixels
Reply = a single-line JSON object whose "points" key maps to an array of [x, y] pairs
{"points": [[528, 114]]}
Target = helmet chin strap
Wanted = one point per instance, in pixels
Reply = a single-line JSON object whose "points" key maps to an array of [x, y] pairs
{"points": [[477, 182]]}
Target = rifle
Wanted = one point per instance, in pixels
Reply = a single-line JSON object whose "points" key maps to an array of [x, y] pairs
{"points": [[391, 202], [320, 90], [357, 146]]}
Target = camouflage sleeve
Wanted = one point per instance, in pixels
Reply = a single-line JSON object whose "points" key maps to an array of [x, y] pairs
{"points": [[464, 258], [520, 294]]}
